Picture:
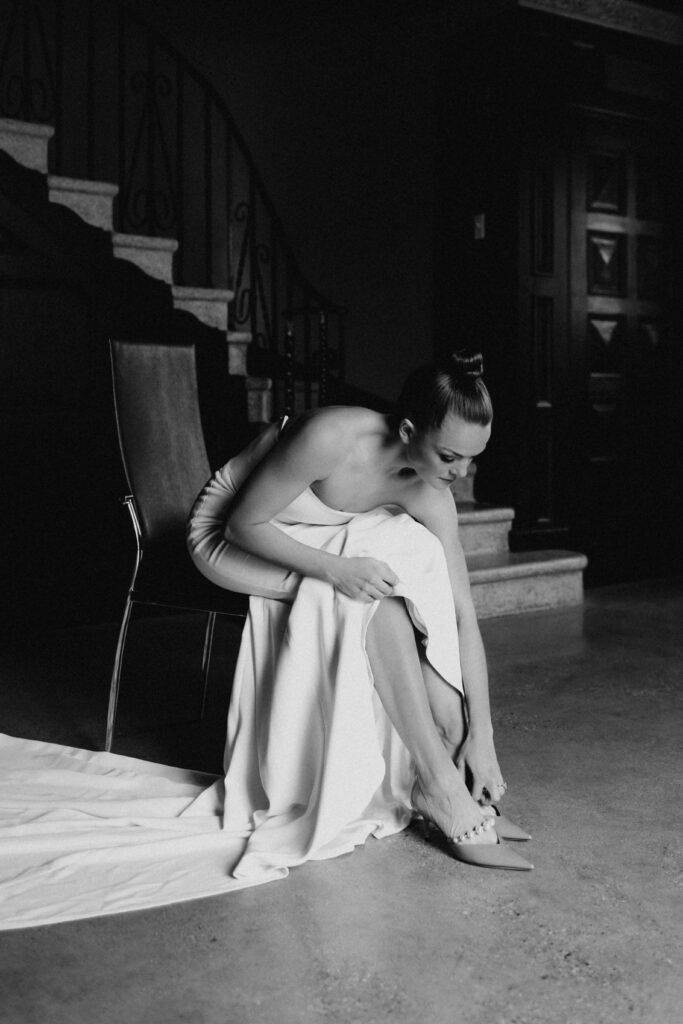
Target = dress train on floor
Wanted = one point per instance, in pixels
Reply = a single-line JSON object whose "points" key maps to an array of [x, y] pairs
{"points": [[313, 766]]}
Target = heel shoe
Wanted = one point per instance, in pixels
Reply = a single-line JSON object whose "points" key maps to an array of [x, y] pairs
{"points": [[484, 855], [507, 829]]}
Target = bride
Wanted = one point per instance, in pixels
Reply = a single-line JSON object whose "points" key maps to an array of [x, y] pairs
{"points": [[351, 510]]}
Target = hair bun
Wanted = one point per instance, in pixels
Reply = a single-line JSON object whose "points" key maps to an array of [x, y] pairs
{"points": [[465, 365]]}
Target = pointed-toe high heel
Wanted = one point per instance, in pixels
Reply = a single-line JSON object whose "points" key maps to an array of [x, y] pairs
{"points": [[507, 829], [487, 854], [483, 855]]}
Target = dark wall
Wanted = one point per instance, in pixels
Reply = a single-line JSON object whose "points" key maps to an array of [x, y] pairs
{"points": [[336, 102]]}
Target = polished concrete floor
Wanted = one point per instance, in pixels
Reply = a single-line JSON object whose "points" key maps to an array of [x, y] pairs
{"points": [[589, 724]]}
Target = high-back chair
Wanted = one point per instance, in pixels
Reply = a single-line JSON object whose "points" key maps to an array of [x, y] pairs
{"points": [[156, 402]]}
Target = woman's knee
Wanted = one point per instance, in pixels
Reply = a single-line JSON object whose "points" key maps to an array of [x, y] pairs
{"points": [[390, 631], [391, 615]]}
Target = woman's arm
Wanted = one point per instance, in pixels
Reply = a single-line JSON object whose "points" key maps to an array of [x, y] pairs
{"points": [[301, 457], [436, 511]]}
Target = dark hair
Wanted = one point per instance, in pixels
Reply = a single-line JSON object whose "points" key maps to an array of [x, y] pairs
{"points": [[454, 385]]}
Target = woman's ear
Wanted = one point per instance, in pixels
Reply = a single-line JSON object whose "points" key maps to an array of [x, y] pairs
{"points": [[406, 431]]}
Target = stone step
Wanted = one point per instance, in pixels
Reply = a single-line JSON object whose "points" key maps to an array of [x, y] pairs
{"points": [[238, 343], [93, 201], [26, 142], [210, 305], [484, 528], [463, 488], [153, 255], [507, 582], [259, 399]]}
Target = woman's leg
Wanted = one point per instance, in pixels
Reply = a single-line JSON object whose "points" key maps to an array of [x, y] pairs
{"points": [[397, 672], [446, 705]]}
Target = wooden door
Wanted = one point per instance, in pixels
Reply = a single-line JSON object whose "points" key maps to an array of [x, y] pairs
{"points": [[621, 329], [598, 322]]}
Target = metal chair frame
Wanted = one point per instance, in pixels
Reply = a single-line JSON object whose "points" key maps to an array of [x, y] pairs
{"points": [[115, 686], [129, 502], [131, 599]]}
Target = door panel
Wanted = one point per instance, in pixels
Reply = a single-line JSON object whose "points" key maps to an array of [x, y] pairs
{"points": [[620, 287], [598, 322], [543, 330]]}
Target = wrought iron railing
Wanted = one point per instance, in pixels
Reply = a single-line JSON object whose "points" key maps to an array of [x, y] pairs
{"points": [[127, 106]]}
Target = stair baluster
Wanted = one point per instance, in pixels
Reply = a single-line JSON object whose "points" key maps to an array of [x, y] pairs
{"points": [[290, 345], [158, 128]]}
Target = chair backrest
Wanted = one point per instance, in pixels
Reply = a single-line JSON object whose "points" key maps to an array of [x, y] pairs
{"points": [[156, 401]]}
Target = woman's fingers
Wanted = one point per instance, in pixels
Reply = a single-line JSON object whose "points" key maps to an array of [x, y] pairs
{"points": [[486, 792], [493, 793], [366, 579], [477, 790], [499, 790], [389, 575], [381, 581]]}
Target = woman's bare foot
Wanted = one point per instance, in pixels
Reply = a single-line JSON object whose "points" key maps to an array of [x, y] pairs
{"points": [[449, 806]]}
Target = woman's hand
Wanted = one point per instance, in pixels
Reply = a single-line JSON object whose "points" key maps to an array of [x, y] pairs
{"points": [[478, 754], [364, 579]]}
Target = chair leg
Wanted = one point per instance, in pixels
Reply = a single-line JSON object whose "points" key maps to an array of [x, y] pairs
{"points": [[116, 674], [206, 657]]}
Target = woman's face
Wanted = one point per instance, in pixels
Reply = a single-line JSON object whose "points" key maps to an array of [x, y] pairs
{"points": [[441, 456]]}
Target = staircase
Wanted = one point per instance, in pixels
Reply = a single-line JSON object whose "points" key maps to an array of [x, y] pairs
{"points": [[93, 202], [190, 207], [502, 581]]}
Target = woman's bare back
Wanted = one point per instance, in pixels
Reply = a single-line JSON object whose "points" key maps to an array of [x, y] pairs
{"points": [[365, 475]]}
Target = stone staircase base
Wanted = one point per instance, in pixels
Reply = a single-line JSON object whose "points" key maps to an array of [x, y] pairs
{"points": [[483, 527], [505, 582], [525, 581]]}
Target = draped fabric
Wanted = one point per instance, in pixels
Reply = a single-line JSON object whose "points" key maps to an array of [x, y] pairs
{"points": [[313, 766]]}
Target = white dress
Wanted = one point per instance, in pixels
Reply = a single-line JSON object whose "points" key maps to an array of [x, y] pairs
{"points": [[313, 765]]}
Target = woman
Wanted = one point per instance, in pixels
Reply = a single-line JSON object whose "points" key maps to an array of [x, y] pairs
{"points": [[346, 530]]}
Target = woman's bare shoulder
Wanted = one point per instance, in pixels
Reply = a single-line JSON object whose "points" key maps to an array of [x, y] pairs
{"points": [[435, 509], [339, 423]]}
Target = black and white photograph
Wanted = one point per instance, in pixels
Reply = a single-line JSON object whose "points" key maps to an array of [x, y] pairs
{"points": [[341, 617]]}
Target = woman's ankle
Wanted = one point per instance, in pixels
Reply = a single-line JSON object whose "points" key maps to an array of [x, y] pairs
{"points": [[435, 774]]}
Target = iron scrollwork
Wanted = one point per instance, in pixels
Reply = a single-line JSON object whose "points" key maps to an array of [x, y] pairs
{"points": [[167, 137]]}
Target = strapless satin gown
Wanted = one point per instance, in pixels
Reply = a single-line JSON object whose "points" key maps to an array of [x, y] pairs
{"points": [[312, 764]]}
